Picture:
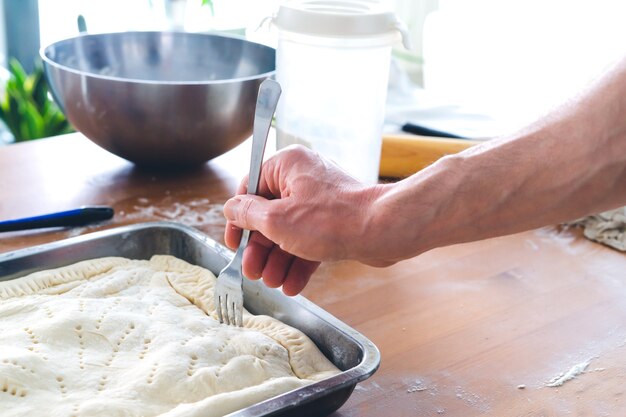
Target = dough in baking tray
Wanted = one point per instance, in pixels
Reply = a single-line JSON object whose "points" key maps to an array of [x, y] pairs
{"points": [[120, 337]]}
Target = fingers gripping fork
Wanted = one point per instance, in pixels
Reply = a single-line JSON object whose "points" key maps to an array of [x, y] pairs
{"points": [[229, 285]]}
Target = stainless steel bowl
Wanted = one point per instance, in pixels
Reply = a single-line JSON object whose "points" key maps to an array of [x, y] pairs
{"points": [[162, 99]]}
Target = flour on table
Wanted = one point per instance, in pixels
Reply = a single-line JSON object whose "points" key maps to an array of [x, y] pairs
{"points": [[195, 212], [572, 373]]}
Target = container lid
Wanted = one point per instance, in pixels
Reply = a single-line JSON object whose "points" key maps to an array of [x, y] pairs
{"points": [[339, 18]]}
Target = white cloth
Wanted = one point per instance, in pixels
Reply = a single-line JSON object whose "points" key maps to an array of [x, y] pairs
{"points": [[608, 228]]}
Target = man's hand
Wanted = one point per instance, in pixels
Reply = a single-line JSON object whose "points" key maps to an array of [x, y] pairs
{"points": [[307, 211], [566, 165]]}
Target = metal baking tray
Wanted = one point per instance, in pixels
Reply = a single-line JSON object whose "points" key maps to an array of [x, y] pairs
{"points": [[356, 356]]}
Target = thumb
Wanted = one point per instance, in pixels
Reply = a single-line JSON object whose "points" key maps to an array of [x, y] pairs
{"points": [[247, 211]]}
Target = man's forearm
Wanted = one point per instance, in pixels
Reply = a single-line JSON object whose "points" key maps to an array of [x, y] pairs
{"points": [[570, 164]]}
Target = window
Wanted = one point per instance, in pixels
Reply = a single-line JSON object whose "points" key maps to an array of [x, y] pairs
{"points": [[58, 17], [515, 59]]}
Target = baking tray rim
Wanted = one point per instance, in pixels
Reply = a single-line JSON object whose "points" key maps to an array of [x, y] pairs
{"points": [[369, 363]]}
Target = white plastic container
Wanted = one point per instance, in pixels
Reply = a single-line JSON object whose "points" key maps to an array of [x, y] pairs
{"points": [[332, 62]]}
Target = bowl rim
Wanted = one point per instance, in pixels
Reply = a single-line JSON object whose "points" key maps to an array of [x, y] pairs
{"points": [[50, 62]]}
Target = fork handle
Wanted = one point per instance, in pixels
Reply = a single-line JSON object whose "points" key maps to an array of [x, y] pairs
{"points": [[266, 102], [245, 236]]}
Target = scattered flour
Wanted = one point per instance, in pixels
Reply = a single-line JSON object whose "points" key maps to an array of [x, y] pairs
{"points": [[530, 244], [472, 399], [416, 385], [196, 212], [367, 386], [416, 388], [573, 372]]}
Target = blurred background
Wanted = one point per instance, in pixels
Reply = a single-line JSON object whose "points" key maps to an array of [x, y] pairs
{"points": [[479, 68]]}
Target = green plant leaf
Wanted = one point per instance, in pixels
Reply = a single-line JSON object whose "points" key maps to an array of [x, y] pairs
{"points": [[39, 90], [34, 127], [26, 108], [14, 117], [54, 121], [210, 4], [4, 108], [12, 87], [18, 73]]}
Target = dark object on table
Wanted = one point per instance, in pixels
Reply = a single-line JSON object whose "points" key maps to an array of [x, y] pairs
{"points": [[426, 131], [77, 217]]}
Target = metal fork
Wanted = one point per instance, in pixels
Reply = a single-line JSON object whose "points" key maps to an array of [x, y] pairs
{"points": [[229, 286]]}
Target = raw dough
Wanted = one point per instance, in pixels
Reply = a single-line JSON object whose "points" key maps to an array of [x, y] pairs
{"points": [[120, 337]]}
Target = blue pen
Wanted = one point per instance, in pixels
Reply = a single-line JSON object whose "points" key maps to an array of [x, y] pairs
{"points": [[76, 217]]}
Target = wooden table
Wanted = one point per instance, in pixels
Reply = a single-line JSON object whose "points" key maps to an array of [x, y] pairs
{"points": [[468, 330]]}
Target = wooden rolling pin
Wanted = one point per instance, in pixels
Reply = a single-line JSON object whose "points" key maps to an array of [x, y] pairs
{"points": [[404, 155]]}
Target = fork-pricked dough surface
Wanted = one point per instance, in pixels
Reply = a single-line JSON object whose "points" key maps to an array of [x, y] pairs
{"points": [[119, 337]]}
